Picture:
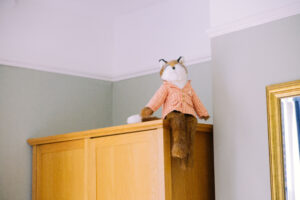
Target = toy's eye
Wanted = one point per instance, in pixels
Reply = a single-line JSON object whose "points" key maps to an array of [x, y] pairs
{"points": [[173, 68]]}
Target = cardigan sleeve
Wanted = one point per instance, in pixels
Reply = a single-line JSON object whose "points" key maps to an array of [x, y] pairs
{"points": [[158, 99], [198, 106]]}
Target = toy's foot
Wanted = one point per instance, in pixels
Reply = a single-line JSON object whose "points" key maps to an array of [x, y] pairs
{"points": [[183, 164], [178, 151]]}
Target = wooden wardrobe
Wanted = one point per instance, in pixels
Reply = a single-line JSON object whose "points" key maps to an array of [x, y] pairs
{"points": [[129, 162]]}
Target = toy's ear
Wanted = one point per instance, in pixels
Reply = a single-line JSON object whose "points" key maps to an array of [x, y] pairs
{"points": [[180, 60], [162, 62]]}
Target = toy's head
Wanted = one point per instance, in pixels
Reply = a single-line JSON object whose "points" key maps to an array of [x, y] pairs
{"points": [[173, 70]]}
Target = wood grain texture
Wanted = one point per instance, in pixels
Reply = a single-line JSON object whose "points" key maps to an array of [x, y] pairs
{"points": [[92, 170], [129, 167], [274, 94], [108, 131], [167, 163], [60, 171], [132, 166], [34, 172], [86, 168], [197, 181]]}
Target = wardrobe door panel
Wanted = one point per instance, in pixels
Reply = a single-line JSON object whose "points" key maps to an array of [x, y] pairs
{"points": [[129, 166], [60, 171]]}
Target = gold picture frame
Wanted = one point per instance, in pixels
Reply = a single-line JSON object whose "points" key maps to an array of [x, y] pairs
{"points": [[274, 94]]}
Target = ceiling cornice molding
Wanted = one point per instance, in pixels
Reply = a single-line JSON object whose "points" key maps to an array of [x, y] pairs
{"points": [[254, 20], [155, 69], [52, 69], [150, 70]]}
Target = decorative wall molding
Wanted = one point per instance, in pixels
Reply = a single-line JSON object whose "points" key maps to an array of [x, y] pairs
{"points": [[53, 69], [254, 20], [156, 69]]}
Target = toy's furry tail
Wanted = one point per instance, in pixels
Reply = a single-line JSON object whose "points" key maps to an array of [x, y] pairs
{"points": [[134, 119], [137, 118]]}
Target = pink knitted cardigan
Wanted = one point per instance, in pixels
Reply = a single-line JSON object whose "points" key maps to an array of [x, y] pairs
{"points": [[173, 98]]}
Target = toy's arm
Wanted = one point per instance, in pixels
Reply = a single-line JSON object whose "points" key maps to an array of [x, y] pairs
{"points": [[155, 102], [199, 107]]}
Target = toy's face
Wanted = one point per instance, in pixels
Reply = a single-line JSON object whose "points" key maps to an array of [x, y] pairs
{"points": [[174, 72]]}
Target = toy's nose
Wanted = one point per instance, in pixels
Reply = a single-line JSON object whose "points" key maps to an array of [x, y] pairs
{"points": [[173, 68]]}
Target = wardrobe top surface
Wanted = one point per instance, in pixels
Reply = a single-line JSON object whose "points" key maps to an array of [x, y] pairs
{"points": [[114, 130]]}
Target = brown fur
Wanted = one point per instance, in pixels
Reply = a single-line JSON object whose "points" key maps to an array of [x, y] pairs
{"points": [[146, 119], [182, 128], [146, 112], [146, 115]]}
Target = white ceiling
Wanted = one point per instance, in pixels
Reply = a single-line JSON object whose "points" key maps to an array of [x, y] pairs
{"points": [[103, 39], [115, 39], [73, 7]]}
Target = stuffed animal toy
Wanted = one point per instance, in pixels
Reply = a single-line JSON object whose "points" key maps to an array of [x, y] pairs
{"points": [[180, 107]]}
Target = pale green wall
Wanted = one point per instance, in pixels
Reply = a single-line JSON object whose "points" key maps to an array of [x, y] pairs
{"points": [[130, 96], [243, 64], [35, 104]]}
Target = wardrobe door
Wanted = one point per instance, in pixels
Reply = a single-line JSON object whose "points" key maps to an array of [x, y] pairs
{"points": [[128, 166], [60, 171]]}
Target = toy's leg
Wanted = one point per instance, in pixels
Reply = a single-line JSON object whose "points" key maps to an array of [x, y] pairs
{"points": [[177, 125], [191, 127]]}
